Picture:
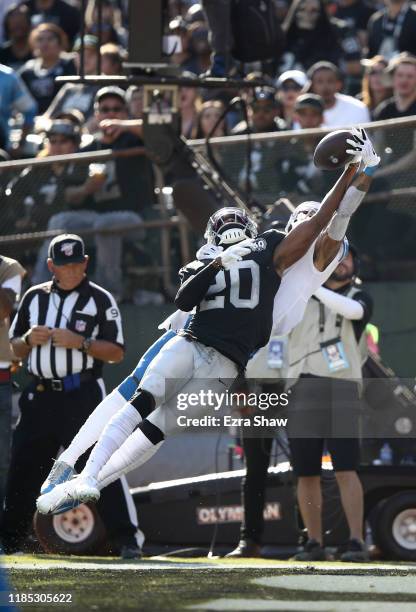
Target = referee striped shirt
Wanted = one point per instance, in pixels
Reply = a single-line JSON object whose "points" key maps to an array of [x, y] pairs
{"points": [[88, 310]]}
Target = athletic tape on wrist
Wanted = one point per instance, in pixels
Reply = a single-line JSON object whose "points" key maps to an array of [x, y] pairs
{"points": [[369, 170]]}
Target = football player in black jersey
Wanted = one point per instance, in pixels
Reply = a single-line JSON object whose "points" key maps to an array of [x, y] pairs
{"points": [[233, 295]]}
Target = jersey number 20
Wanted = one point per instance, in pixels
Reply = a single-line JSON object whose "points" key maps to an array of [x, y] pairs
{"points": [[233, 293]]}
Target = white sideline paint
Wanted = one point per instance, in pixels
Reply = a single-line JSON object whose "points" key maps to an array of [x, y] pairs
{"points": [[311, 606], [343, 584]]}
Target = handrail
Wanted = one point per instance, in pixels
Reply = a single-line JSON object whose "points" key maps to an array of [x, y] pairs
{"points": [[73, 157], [300, 134]]}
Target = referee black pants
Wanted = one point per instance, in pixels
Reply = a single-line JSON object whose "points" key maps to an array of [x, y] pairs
{"points": [[50, 420]]}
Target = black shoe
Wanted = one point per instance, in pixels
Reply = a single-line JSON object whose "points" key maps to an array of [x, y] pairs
{"points": [[312, 551], [356, 551], [245, 548], [130, 551]]}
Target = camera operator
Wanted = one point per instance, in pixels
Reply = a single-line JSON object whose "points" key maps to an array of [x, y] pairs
{"points": [[325, 359]]}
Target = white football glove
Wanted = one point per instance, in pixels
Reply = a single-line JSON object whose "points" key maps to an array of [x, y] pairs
{"points": [[233, 254], [362, 148], [209, 251]]}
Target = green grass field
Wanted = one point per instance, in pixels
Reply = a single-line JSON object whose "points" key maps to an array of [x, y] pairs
{"points": [[204, 584]]}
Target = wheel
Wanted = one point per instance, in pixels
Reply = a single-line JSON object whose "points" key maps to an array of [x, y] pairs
{"points": [[77, 532], [395, 526]]}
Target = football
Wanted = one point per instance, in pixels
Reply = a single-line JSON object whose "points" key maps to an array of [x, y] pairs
{"points": [[330, 153]]}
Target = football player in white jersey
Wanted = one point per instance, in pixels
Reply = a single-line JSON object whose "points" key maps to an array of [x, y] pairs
{"points": [[119, 450]]}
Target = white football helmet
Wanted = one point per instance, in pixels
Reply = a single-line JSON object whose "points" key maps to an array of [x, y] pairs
{"points": [[303, 211]]}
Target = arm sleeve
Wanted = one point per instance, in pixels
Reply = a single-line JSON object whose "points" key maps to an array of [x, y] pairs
{"points": [[194, 285], [349, 308], [110, 325]]}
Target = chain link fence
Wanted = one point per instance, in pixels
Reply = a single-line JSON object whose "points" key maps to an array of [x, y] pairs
{"points": [[262, 168], [270, 166], [46, 196]]}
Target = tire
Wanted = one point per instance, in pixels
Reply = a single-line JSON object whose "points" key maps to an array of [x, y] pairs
{"points": [[395, 526], [77, 532]]}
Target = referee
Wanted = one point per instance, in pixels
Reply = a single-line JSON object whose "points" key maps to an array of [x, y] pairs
{"points": [[66, 328]]}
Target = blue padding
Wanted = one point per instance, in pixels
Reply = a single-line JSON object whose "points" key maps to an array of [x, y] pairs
{"points": [[129, 385]]}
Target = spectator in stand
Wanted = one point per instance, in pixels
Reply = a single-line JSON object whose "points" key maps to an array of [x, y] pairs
{"points": [[14, 98], [356, 14], [263, 113], [121, 190], [309, 111], [16, 50], [112, 58], [189, 102], [199, 49], [311, 35], [299, 178], [374, 87], [4, 7], [40, 192], [392, 30], [179, 27], [289, 86], [59, 12], [134, 99], [261, 176], [400, 141], [47, 42], [112, 30], [78, 96], [208, 115], [340, 109]]}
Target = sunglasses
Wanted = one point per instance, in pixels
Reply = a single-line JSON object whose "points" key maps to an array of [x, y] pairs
{"points": [[376, 71], [290, 87], [111, 109]]}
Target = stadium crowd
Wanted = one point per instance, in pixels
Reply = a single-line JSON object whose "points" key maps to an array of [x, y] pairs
{"points": [[334, 63]]}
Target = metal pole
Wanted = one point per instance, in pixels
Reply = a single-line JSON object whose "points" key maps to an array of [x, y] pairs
{"points": [[100, 33], [82, 46]]}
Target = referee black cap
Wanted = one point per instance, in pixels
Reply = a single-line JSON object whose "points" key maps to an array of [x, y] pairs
{"points": [[66, 248]]}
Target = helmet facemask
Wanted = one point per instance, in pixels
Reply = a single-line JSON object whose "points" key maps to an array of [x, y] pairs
{"points": [[229, 226]]}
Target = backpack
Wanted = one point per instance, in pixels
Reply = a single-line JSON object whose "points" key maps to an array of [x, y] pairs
{"points": [[256, 32]]}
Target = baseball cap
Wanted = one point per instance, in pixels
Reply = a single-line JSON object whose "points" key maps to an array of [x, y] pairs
{"points": [[298, 76], [310, 101], [264, 93], [90, 42], [63, 127], [66, 249], [111, 90]]}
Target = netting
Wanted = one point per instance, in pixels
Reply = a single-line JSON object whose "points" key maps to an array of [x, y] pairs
{"points": [[383, 229], [34, 193], [46, 196]]}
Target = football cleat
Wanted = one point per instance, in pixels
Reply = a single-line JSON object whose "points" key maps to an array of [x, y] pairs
{"points": [[60, 499], [60, 472], [85, 489], [69, 494]]}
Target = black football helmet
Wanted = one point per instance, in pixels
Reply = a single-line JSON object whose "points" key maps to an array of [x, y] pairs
{"points": [[228, 226]]}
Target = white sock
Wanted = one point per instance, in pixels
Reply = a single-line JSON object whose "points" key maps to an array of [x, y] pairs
{"points": [[113, 436], [135, 451], [93, 427]]}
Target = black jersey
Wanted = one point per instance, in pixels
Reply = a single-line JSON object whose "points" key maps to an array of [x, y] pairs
{"points": [[235, 317]]}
